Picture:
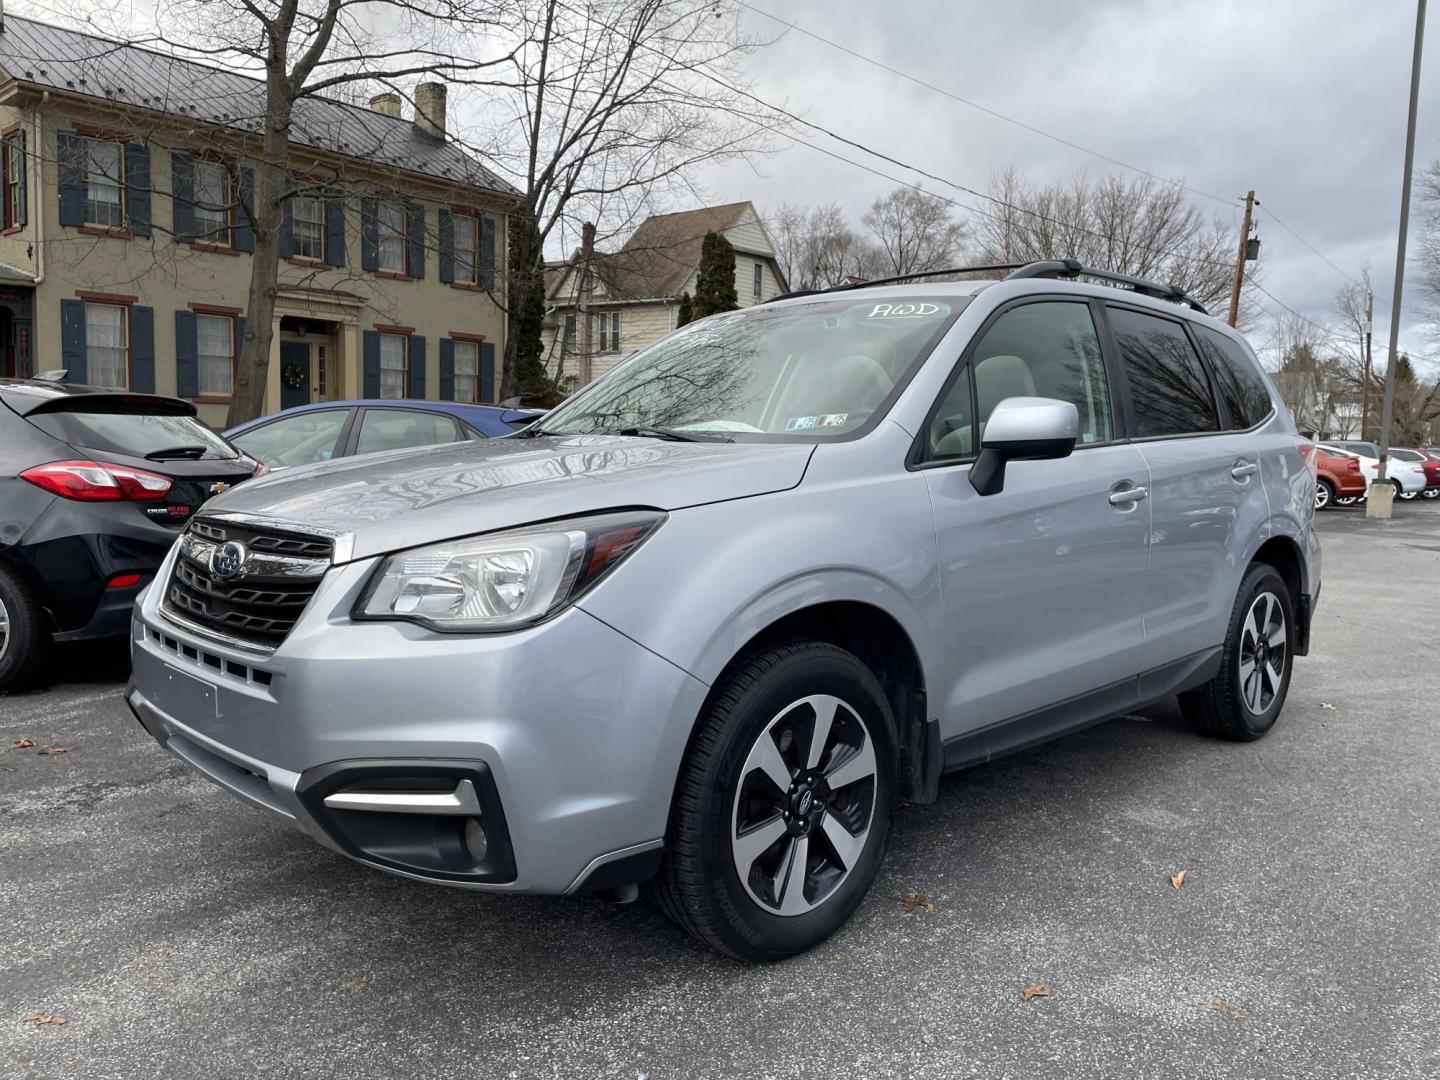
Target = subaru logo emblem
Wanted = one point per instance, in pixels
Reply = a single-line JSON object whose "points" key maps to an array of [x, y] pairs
{"points": [[227, 559]]}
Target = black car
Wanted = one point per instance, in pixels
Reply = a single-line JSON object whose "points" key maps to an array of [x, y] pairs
{"points": [[94, 487]]}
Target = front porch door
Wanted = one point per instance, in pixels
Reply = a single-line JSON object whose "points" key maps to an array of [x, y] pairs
{"points": [[295, 374]]}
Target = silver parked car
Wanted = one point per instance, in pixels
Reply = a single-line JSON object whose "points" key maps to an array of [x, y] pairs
{"points": [[707, 624]]}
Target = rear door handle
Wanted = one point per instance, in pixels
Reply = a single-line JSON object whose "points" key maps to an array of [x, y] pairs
{"points": [[1127, 496], [1243, 469]]}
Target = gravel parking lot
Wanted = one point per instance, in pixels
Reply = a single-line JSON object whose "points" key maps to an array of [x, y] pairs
{"points": [[183, 934]]}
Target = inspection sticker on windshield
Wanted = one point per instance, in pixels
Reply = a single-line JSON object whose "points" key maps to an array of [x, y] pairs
{"points": [[805, 423], [903, 311]]}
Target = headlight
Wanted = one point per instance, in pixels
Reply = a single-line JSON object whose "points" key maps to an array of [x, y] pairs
{"points": [[503, 581]]}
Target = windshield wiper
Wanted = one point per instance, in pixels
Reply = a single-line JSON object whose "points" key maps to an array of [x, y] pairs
{"points": [[673, 434], [191, 452]]}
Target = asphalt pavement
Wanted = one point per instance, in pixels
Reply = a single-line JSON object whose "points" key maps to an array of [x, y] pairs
{"points": [[183, 934]]}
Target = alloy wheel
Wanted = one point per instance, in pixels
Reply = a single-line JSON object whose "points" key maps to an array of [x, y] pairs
{"points": [[1264, 653], [804, 805], [1322, 496], [4, 629]]}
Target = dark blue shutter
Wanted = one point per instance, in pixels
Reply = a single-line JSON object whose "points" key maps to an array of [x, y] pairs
{"points": [[22, 195], [415, 240], [244, 231], [447, 368], [370, 364], [287, 228], [187, 355], [142, 350], [239, 347], [182, 195], [417, 366], [72, 340], [335, 229], [446, 228], [487, 252], [137, 187], [70, 153], [487, 371], [369, 237]]}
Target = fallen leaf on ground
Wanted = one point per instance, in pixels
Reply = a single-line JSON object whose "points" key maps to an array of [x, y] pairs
{"points": [[55, 750], [1326, 705], [23, 744], [44, 1018], [1176, 880], [1223, 1007], [357, 982], [919, 900], [1034, 990]]}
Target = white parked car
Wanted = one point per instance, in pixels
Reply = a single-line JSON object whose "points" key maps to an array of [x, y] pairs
{"points": [[1408, 478]]}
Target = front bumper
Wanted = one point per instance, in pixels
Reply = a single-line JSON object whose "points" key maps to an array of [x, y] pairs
{"points": [[579, 729]]}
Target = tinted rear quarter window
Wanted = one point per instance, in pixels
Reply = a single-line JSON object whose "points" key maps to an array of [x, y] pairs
{"points": [[132, 434], [1169, 390], [1240, 385]]}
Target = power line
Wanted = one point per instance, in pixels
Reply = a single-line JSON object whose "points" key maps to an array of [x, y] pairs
{"points": [[1276, 218]]}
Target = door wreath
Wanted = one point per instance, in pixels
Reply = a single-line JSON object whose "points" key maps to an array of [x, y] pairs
{"points": [[293, 376]]}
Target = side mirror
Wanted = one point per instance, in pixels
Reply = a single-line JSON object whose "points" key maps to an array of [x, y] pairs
{"points": [[1023, 429]]}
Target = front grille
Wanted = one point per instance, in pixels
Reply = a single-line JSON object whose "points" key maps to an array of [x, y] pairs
{"points": [[260, 602]]}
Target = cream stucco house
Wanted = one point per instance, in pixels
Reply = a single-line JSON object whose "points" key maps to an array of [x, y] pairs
{"points": [[125, 246], [636, 290]]}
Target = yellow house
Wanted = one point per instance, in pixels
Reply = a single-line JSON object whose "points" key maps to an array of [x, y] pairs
{"points": [[635, 291], [125, 245]]}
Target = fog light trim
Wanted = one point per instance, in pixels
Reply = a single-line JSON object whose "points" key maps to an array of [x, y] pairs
{"points": [[463, 801]]}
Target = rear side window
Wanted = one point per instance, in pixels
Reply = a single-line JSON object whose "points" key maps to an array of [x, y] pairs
{"points": [[1241, 387], [134, 434], [1169, 389], [1406, 455], [396, 429]]}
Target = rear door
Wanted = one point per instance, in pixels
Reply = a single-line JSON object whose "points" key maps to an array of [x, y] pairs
{"points": [[1206, 498]]}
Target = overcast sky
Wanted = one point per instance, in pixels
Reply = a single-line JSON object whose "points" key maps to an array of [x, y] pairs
{"points": [[1304, 102]]}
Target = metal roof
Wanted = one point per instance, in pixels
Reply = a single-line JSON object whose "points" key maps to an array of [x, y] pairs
{"points": [[121, 74]]}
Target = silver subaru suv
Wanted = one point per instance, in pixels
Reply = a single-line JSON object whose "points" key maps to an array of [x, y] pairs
{"points": [[707, 622]]}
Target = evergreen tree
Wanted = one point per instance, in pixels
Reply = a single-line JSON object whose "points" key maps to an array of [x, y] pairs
{"points": [[715, 288], [687, 311]]}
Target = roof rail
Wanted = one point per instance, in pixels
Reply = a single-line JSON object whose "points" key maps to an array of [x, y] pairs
{"points": [[898, 279], [1069, 268]]}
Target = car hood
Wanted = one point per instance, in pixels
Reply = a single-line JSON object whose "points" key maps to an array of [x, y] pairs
{"points": [[401, 499]]}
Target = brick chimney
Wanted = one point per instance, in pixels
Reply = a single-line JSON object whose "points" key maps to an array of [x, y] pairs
{"points": [[386, 104], [430, 109]]}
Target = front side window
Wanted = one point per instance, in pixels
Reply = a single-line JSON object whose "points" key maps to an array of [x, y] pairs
{"points": [[215, 339], [467, 371], [308, 213], [301, 439], [467, 247], [814, 371], [391, 229], [104, 183], [1169, 390], [107, 345], [393, 380], [212, 202], [1238, 381]]}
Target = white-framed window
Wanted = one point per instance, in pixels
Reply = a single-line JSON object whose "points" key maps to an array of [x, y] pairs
{"points": [[212, 202], [390, 226], [321, 371], [14, 181], [107, 345], [104, 183], [757, 278], [610, 342], [215, 347], [394, 381], [467, 371], [467, 248], [569, 345], [308, 215]]}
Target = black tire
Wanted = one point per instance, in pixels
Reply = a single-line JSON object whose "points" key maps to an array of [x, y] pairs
{"points": [[1324, 494], [699, 885], [1220, 707], [25, 648]]}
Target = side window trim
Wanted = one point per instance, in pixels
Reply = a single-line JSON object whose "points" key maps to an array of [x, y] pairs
{"points": [[1130, 424], [919, 456]]}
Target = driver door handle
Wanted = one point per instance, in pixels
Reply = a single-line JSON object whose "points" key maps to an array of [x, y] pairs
{"points": [[1126, 496]]}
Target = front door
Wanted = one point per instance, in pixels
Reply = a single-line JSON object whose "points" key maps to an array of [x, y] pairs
{"points": [[294, 374], [1042, 584]]}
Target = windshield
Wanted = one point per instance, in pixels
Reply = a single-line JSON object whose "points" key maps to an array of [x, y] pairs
{"points": [[135, 434], [814, 371]]}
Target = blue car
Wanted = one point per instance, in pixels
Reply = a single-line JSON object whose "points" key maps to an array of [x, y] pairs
{"points": [[334, 429]]}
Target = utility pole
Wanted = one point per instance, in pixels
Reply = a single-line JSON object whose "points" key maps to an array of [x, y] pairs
{"points": [[1366, 360], [582, 317], [1382, 495], [1240, 259]]}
